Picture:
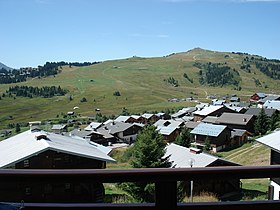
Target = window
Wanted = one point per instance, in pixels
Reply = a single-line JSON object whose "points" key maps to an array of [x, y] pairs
{"points": [[26, 163]]}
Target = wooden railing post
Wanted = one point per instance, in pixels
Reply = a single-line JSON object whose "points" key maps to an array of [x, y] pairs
{"points": [[166, 195]]}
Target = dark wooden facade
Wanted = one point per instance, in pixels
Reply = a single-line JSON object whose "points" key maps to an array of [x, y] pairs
{"points": [[217, 113], [217, 142], [52, 191]]}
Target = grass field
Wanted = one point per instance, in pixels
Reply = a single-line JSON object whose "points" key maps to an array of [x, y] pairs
{"points": [[140, 82]]}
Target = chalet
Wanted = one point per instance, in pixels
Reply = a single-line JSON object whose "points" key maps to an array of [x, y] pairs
{"points": [[182, 157], [183, 112], [101, 136], [257, 96], [237, 121], [123, 132], [163, 116], [125, 119], [210, 110], [234, 99], [170, 129], [256, 111], [58, 129], [217, 102], [93, 126], [272, 141], [269, 98], [217, 135], [272, 105], [237, 109], [210, 119], [150, 118], [36, 149], [239, 137]]}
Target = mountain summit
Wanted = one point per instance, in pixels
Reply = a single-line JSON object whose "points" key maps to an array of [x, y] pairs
{"points": [[4, 66]]}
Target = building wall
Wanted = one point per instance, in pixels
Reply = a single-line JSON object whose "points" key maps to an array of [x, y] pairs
{"points": [[57, 160], [276, 191], [86, 190]]}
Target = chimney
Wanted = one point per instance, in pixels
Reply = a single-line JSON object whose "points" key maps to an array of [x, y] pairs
{"points": [[195, 150], [244, 119]]}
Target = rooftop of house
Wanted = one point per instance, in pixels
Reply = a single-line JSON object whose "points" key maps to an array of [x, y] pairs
{"points": [[234, 118], [271, 140], [166, 130], [147, 115], [256, 111], [208, 129], [58, 127], [182, 157], [261, 95], [238, 132], [207, 110], [93, 125], [270, 98], [122, 118], [29, 143], [168, 123], [272, 104], [210, 119]]}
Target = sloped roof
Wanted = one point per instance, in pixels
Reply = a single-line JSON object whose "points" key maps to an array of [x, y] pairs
{"points": [[261, 95], [181, 156], [256, 111], [207, 110], [208, 129], [147, 115], [238, 132], [92, 126], [271, 140], [168, 123], [25, 145], [166, 130], [272, 105], [116, 127], [270, 98], [210, 119], [58, 127], [122, 118], [234, 118]]}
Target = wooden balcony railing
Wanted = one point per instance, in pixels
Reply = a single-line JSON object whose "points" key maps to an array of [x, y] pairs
{"points": [[164, 179]]}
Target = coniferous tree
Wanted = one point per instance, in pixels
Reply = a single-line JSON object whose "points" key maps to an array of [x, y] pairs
{"points": [[274, 121], [148, 152], [184, 139], [261, 123]]}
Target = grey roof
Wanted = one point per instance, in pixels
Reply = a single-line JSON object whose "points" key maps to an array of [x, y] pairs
{"points": [[25, 145], [116, 127], [210, 119], [122, 118], [181, 156], [93, 125], [147, 115], [234, 98], [271, 140], [168, 123], [261, 95], [58, 127], [80, 133], [208, 129], [237, 132], [207, 110], [256, 111], [166, 130], [272, 105], [218, 102], [191, 124], [270, 98], [234, 119], [234, 108]]}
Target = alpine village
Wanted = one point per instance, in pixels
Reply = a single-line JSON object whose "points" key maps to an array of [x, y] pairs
{"points": [[193, 110]]}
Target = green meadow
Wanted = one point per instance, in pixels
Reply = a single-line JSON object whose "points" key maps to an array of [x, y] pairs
{"points": [[141, 82]]}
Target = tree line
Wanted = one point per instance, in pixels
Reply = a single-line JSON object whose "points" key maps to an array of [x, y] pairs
{"points": [[30, 92], [48, 69], [217, 74]]}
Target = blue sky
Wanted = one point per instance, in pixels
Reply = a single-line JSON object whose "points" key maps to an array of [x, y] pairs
{"points": [[36, 31]]}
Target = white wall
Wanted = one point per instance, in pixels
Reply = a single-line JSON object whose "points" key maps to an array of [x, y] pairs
{"points": [[276, 190]]}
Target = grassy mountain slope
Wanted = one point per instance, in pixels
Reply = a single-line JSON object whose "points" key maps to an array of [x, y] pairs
{"points": [[141, 82]]}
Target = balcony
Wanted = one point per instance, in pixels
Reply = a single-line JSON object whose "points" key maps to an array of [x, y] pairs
{"points": [[165, 181]]}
